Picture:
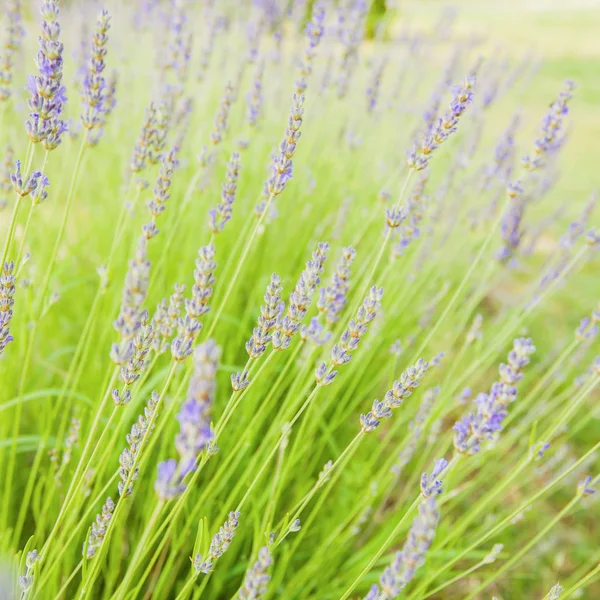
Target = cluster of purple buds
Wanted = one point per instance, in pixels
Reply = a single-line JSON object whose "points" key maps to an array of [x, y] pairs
{"points": [[416, 205], [40, 193], [401, 389], [26, 580], [254, 98], [430, 484], [333, 298], [300, 299], [10, 47], [178, 53], [552, 124], [511, 228], [197, 306], [47, 92], [145, 141], [588, 327], [554, 593], [206, 51], [31, 183], [375, 85], [218, 546], [131, 314], [419, 158], [474, 334], [257, 577], [341, 352], [484, 424], [168, 164], [416, 429], [281, 170], [402, 570], [158, 140], [270, 312], [502, 164], [195, 432], [315, 332], [136, 351], [99, 527], [586, 486], [314, 32], [222, 118], [165, 318], [204, 279], [129, 458], [219, 216], [94, 85], [351, 34], [7, 293]]}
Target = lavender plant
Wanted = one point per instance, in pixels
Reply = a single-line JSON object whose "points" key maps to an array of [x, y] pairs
{"points": [[190, 350]]}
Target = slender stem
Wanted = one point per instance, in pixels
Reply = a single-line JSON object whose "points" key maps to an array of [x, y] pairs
{"points": [[122, 590], [185, 590], [63, 589], [581, 583]]}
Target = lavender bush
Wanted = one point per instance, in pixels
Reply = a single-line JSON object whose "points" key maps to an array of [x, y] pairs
{"points": [[293, 303]]}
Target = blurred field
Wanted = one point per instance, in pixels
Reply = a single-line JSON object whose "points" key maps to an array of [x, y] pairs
{"points": [[564, 37]]}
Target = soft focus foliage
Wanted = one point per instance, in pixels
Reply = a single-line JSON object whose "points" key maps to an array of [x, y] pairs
{"points": [[297, 299]]}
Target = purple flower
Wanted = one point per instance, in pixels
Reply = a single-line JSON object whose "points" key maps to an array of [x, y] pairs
{"points": [[47, 94], [402, 569], [7, 292], [476, 427], [195, 433], [430, 485], [585, 487], [447, 124], [94, 85], [315, 27]]}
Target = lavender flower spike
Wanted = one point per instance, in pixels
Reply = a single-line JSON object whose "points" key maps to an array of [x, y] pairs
{"points": [[219, 216], [11, 44], [195, 432], [484, 424], [47, 92], [7, 292], [270, 312], [401, 571], [462, 96], [257, 577], [341, 352], [401, 389], [93, 93], [552, 124], [554, 593], [430, 485], [99, 527], [24, 188], [300, 299], [332, 299], [281, 171], [218, 546], [140, 430]]}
